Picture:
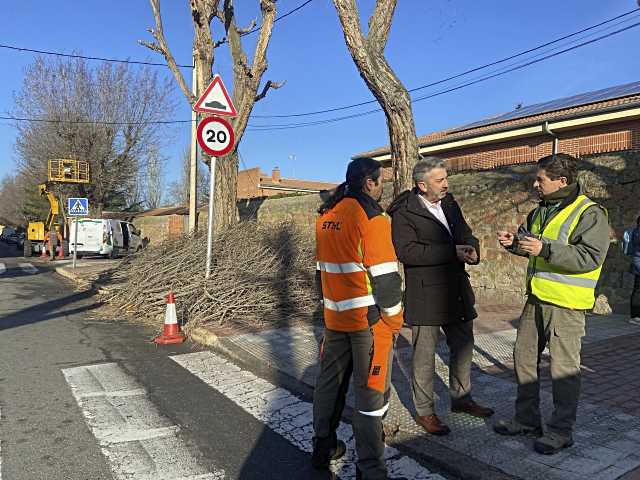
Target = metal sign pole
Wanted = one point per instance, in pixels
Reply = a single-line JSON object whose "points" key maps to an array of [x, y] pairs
{"points": [[75, 242], [212, 184]]}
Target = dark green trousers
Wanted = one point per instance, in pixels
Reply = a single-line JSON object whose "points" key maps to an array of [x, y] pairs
{"points": [[562, 329], [366, 355]]}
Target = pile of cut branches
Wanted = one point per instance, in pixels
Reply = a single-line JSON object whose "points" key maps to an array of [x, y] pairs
{"points": [[261, 274]]}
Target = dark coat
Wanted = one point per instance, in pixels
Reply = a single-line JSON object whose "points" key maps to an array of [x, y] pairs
{"points": [[635, 251], [437, 287]]}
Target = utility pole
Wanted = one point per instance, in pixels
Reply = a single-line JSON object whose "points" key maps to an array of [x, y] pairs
{"points": [[193, 169]]}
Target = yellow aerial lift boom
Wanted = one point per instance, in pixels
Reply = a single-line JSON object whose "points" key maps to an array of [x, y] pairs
{"points": [[45, 236]]}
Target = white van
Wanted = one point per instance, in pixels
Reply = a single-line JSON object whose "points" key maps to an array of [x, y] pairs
{"points": [[100, 236]]}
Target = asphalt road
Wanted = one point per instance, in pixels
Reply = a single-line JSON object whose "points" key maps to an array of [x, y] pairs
{"points": [[85, 398]]}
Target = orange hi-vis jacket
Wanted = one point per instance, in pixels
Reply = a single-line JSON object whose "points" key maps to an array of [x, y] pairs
{"points": [[357, 266]]}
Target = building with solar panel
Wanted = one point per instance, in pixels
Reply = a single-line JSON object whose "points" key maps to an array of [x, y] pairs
{"points": [[602, 121]]}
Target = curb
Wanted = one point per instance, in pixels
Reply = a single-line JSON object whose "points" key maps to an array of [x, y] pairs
{"points": [[64, 272]]}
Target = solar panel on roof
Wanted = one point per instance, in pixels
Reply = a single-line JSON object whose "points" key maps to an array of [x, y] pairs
{"points": [[559, 104]]}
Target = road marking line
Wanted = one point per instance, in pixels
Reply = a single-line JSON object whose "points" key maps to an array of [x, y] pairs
{"points": [[28, 268], [3, 268], [285, 413], [137, 440]]}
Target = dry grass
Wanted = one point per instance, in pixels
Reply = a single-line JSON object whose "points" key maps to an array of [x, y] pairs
{"points": [[262, 275]]}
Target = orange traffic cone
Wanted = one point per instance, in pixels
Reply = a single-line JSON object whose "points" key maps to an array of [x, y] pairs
{"points": [[171, 332], [43, 251]]}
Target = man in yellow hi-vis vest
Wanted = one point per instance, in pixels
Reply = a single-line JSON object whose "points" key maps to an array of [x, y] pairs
{"points": [[566, 239]]}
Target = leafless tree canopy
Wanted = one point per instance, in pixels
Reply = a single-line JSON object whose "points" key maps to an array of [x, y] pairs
{"points": [[247, 77], [153, 180], [368, 55], [178, 190], [99, 115]]}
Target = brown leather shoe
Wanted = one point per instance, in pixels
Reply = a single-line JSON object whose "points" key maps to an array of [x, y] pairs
{"points": [[470, 407], [432, 424]]}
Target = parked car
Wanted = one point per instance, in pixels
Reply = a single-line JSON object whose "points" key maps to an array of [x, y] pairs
{"points": [[107, 237], [12, 238], [6, 232]]}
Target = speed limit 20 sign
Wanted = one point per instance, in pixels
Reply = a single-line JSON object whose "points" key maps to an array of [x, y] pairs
{"points": [[215, 136]]}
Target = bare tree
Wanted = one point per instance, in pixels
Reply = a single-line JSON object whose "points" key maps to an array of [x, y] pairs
{"points": [[368, 55], [104, 116], [153, 180], [178, 190], [247, 77], [11, 201]]}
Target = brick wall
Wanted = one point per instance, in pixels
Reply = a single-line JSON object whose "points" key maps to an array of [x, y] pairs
{"points": [[159, 228], [248, 183]]}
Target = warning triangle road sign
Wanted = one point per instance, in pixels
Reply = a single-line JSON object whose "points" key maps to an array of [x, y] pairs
{"points": [[215, 99]]}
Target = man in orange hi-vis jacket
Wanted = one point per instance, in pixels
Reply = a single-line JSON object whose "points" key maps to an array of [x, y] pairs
{"points": [[357, 273]]}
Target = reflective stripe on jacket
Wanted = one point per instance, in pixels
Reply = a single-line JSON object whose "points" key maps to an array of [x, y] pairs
{"points": [[358, 266], [552, 284]]}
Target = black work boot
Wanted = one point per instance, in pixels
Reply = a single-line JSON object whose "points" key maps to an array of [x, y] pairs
{"points": [[325, 450]]}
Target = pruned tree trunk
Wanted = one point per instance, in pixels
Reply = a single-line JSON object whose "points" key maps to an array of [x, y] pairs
{"points": [[246, 80], [368, 55], [226, 211]]}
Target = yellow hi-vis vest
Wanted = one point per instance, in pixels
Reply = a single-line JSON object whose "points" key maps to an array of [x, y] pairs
{"points": [[555, 285]]}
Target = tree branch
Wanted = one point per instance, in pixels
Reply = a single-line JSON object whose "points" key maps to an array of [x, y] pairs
{"points": [[380, 24], [161, 46], [259, 66], [269, 85], [251, 26]]}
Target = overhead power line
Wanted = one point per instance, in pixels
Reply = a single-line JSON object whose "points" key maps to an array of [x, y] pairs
{"points": [[133, 62], [85, 57], [92, 122], [442, 92], [458, 75], [269, 127]]}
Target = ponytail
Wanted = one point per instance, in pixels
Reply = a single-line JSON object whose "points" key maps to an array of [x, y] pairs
{"points": [[358, 171], [332, 201]]}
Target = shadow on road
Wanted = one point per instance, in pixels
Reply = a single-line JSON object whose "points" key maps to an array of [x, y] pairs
{"points": [[48, 310]]}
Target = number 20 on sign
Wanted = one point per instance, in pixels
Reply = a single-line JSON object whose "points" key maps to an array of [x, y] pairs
{"points": [[215, 136]]}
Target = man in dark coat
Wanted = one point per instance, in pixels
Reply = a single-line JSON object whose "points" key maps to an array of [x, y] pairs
{"points": [[634, 252], [433, 241]]}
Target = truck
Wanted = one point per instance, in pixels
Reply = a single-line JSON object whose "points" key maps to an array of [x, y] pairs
{"points": [[40, 235], [102, 236]]}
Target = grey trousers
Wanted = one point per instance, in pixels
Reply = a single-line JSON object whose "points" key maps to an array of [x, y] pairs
{"points": [[460, 341], [562, 329], [367, 355]]}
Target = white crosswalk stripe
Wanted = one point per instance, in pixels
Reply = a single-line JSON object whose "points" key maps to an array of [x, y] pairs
{"points": [[28, 268], [138, 441], [3, 268], [285, 413]]}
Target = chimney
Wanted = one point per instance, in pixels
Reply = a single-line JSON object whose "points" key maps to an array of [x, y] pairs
{"points": [[275, 175]]}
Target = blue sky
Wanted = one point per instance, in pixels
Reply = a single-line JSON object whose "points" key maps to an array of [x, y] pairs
{"points": [[429, 40]]}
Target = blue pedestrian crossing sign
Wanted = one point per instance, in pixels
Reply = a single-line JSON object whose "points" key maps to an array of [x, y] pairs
{"points": [[78, 207]]}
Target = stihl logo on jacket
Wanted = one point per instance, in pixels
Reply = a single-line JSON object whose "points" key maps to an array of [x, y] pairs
{"points": [[358, 266]]}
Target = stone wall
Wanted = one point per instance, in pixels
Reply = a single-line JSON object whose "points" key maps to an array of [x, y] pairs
{"points": [[501, 199], [156, 229]]}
